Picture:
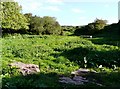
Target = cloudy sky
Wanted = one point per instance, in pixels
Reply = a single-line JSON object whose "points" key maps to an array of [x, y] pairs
{"points": [[73, 12]]}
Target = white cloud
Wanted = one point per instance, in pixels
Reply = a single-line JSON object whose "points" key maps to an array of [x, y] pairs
{"points": [[30, 5], [52, 8], [107, 5], [112, 20], [59, 1], [35, 5], [76, 10], [82, 18], [91, 1], [55, 1]]}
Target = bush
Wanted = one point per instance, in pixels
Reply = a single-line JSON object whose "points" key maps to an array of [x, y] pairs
{"points": [[91, 28]]}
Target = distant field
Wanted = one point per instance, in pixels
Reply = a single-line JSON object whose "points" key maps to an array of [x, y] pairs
{"points": [[57, 54]]}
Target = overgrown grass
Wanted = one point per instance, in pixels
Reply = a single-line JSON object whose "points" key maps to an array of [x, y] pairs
{"points": [[56, 55]]}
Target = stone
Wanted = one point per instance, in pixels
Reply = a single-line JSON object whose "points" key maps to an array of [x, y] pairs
{"points": [[26, 69], [80, 79], [77, 80], [66, 80], [80, 72], [76, 77]]}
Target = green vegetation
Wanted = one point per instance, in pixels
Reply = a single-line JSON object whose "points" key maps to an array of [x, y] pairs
{"points": [[91, 28], [68, 30], [45, 25], [15, 22], [58, 50], [12, 19], [57, 55]]}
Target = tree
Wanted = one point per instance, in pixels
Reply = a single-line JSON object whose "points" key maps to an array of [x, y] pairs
{"points": [[96, 26], [100, 24], [92, 28], [28, 16], [119, 25], [36, 25], [45, 25], [51, 26], [12, 19]]}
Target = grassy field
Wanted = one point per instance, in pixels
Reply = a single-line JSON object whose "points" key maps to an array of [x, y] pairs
{"points": [[60, 55]]}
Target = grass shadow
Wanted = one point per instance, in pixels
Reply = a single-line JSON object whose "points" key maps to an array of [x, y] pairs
{"points": [[109, 41], [110, 35], [51, 80], [41, 80], [108, 80], [93, 57]]}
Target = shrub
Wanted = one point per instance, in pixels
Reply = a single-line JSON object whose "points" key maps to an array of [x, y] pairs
{"points": [[91, 28]]}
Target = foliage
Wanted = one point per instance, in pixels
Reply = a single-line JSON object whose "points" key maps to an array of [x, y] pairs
{"points": [[12, 19], [45, 25], [56, 55], [54, 48], [36, 25], [91, 28], [50, 25], [68, 30], [28, 16], [118, 25]]}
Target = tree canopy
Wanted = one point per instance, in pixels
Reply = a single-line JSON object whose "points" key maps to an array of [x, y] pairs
{"points": [[92, 28], [43, 25], [12, 18]]}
